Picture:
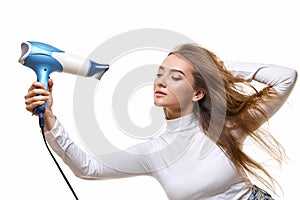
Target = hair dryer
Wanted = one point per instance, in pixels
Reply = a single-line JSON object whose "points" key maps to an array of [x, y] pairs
{"points": [[45, 59]]}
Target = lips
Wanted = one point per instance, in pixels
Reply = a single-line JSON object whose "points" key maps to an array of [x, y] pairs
{"points": [[159, 93]]}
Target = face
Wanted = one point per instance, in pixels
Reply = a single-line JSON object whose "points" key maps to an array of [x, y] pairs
{"points": [[173, 86]]}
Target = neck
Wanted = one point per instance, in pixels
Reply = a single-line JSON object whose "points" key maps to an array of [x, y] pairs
{"points": [[174, 114]]}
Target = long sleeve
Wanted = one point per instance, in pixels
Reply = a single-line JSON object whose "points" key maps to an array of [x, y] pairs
{"points": [[83, 165], [280, 78]]}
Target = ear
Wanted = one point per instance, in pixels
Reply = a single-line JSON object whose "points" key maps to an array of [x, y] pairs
{"points": [[199, 94]]}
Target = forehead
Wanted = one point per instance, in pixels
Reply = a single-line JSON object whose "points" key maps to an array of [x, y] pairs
{"points": [[176, 62]]}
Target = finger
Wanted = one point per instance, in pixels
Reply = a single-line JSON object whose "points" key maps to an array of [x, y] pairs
{"points": [[37, 85], [50, 83], [34, 99], [32, 106], [35, 92]]}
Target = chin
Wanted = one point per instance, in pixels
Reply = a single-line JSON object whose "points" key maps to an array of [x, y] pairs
{"points": [[160, 103]]}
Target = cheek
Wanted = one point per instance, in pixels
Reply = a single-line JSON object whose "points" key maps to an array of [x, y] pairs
{"points": [[182, 92]]}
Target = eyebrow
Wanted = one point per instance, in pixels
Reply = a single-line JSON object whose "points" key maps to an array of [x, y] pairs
{"points": [[172, 70]]}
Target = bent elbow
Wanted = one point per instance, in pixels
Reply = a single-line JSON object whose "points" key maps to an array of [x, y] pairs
{"points": [[291, 79], [294, 75]]}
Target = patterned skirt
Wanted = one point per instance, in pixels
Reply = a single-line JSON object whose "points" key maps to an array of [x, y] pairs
{"points": [[259, 194]]}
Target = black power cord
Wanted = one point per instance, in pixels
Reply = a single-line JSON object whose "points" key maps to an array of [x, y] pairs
{"points": [[41, 122]]}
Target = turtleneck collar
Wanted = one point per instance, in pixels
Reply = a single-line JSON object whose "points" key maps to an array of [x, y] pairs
{"points": [[183, 123]]}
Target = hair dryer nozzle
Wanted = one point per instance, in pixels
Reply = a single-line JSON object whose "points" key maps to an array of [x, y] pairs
{"points": [[80, 66]]}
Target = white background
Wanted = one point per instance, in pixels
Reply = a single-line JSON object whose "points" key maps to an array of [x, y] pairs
{"points": [[259, 31]]}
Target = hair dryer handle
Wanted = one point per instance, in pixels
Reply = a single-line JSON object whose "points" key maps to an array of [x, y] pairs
{"points": [[42, 74]]}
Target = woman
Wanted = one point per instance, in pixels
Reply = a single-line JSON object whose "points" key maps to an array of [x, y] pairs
{"points": [[211, 107]]}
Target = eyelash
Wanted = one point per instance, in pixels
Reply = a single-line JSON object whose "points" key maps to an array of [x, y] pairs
{"points": [[174, 78]]}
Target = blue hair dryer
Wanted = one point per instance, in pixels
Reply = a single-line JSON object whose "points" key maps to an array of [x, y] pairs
{"points": [[45, 59]]}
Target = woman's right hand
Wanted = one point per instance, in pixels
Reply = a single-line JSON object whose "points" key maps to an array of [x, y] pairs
{"points": [[36, 96]]}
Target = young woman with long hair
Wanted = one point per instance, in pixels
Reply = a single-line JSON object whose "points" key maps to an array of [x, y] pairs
{"points": [[211, 107]]}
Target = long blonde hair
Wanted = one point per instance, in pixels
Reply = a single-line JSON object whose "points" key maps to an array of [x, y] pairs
{"points": [[240, 114]]}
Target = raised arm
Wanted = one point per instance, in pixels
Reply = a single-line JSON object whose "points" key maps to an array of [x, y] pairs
{"points": [[280, 78]]}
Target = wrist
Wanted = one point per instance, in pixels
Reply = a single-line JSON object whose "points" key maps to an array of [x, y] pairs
{"points": [[48, 113], [50, 120]]}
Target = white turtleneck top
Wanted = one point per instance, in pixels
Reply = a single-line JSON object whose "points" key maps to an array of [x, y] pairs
{"points": [[183, 159]]}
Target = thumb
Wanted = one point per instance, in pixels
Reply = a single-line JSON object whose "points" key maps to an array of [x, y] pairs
{"points": [[50, 84]]}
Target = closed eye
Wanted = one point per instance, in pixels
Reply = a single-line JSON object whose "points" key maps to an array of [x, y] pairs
{"points": [[176, 78]]}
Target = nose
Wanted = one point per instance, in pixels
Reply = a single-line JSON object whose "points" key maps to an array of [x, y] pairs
{"points": [[160, 81]]}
